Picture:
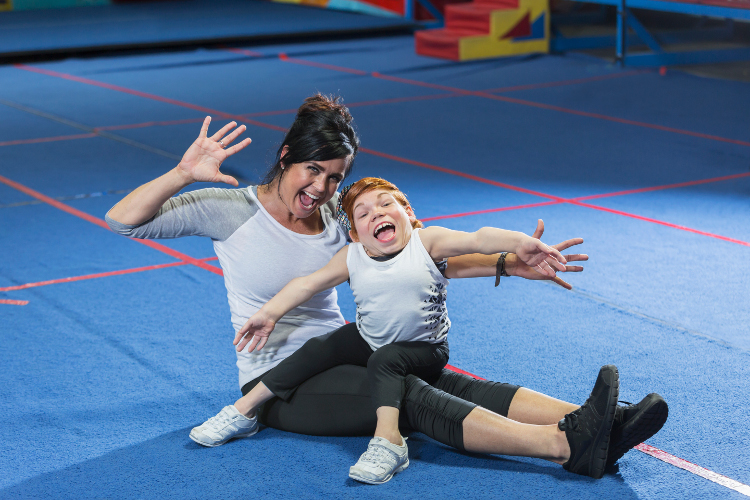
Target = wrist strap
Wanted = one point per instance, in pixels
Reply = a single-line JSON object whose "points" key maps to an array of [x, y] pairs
{"points": [[500, 268]]}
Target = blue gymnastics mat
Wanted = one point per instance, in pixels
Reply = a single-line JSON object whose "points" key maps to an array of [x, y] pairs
{"points": [[112, 350]]}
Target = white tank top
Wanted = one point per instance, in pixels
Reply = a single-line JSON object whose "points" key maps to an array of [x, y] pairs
{"points": [[401, 299]]}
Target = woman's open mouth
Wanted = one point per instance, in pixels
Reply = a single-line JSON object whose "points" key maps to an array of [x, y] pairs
{"points": [[308, 200], [384, 232]]}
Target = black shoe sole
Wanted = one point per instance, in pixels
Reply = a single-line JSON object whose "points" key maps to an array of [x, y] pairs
{"points": [[647, 422]]}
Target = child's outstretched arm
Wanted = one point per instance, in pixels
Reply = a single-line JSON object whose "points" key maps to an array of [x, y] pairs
{"points": [[442, 243], [477, 265], [260, 325]]}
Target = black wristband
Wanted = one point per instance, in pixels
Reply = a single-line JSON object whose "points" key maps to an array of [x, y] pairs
{"points": [[500, 268]]}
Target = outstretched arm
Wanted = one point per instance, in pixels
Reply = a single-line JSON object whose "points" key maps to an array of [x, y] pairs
{"points": [[479, 266], [443, 243], [298, 291], [200, 163]]}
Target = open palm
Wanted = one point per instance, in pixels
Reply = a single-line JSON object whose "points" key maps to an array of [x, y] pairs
{"points": [[203, 159], [519, 268]]}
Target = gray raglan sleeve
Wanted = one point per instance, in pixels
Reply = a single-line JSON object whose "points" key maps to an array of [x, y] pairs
{"points": [[213, 212]]}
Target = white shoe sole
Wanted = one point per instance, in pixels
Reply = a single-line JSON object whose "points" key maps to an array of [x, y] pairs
{"points": [[219, 443], [387, 478]]}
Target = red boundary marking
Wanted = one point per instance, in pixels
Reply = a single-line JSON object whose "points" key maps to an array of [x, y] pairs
{"points": [[314, 64], [271, 113], [369, 151], [562, 83], [666, 186], [460, 174], [150, 124], [611, 118], [455, 90], [102, 223], [98, 275], [662, 223], [244, 52], [14, 302], [358, 104], [47, 139], [665, 457], [693, 468], [491, 210], [464, 372], [146, 95]]}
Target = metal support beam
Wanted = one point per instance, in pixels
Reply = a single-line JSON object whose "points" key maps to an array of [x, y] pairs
{"points": [[642, 32], [622, 32]]}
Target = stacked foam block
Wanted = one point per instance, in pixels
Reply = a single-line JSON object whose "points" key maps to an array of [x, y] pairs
{"points": [[488, 28]]}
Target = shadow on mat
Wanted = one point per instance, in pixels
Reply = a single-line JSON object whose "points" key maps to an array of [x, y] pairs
{"points": [[276, 464]]}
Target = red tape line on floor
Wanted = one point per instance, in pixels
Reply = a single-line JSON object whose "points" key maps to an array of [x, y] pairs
{"points": [[695, 469], [662, 223], [102, 223], [47, 139], [98, 275], [666, 186], [562, 83], [14, 302]]}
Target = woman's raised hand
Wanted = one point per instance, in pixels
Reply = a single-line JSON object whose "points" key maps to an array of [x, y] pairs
{"points": [[519, 268], [542, 258], [256, 329], [202, 160]]}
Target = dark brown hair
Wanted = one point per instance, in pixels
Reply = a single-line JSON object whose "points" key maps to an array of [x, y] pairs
{"points": [[322, 130]]}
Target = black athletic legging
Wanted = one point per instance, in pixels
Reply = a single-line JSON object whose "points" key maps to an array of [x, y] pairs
{"points": [[338, 402], [386, 367]]}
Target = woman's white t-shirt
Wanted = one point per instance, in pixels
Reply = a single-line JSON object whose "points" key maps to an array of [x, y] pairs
{"points": [[259, 257]]}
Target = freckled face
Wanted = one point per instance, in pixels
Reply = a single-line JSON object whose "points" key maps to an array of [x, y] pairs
{"points": [[306, 186], [382, 223]]}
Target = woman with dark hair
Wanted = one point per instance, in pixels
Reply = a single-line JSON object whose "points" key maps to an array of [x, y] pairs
{"points": [[266, 235]]}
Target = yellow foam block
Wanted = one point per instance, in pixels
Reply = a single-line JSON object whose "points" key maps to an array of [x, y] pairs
{"points": [[501, 22]]}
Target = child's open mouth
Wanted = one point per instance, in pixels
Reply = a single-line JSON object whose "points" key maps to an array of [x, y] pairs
{"points": [[385, 231], [307, 200]]}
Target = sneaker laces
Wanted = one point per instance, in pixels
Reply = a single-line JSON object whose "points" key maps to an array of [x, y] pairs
{"points": [[570, 420], [219, 421], [376, 454]]}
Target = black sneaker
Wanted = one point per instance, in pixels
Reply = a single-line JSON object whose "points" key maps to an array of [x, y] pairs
{"points": [[588, 428], [636, 423]]}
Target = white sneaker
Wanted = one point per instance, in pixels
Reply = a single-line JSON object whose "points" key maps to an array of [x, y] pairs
{"points": [[228, 424], [380, 462]]}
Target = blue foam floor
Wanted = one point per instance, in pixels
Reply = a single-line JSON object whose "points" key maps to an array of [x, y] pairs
{"points": [[110, 374]]}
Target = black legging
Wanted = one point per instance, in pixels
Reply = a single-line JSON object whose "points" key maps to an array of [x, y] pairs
{"points": [[386, 367], [338, 402]]}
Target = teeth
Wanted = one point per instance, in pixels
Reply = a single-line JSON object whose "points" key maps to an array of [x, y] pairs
{"points": [[311, 196], [382, 225]]}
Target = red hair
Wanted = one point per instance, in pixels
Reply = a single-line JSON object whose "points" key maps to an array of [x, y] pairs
{"points": [[366, 185]]}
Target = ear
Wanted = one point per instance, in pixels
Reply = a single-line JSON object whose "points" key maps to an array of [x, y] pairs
{"points": [[410, 213], [284, 151], [353, 236]]}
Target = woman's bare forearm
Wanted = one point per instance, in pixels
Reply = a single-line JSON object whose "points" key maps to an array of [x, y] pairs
{"points": [[143, 203]]}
